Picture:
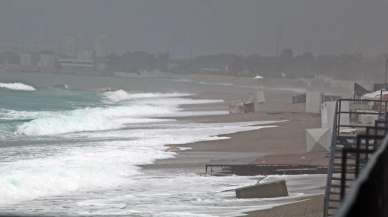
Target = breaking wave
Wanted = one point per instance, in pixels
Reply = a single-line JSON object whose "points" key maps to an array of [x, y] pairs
{"points": [[121, 95], [91, 119], [17, 86]]}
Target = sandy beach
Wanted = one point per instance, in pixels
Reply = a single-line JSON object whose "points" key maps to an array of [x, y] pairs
{"points": [[288, 137], [307, 207], [283, 144]]}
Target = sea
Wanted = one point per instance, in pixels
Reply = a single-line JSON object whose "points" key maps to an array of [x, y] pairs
{"points": [[75, 146]]}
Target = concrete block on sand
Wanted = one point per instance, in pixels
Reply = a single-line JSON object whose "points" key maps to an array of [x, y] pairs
{"points": [[264, 190]]}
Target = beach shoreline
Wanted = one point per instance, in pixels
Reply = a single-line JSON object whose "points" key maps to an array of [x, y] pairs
{"points": [[248, 147]]}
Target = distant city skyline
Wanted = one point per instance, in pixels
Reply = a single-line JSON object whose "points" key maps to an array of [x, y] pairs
{"points": [[195, 27]]}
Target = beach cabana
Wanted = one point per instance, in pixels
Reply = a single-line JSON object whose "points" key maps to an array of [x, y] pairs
{"points": [[380, 94]]}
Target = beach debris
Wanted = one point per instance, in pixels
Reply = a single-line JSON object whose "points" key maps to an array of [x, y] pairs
{"points": [[242, 107], [172, 148], [264, 189]]}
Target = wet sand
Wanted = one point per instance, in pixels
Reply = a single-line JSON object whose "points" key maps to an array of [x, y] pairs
{"points": [[246, 147], [284, 143], [308, 207]]}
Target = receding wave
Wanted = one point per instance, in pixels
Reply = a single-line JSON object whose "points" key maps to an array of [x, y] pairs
{"points": [[17, 86]]}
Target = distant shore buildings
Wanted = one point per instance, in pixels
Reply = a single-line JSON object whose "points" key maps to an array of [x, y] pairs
{"points": [[100, 59]]}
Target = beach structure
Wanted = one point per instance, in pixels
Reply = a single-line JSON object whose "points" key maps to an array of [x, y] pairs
{"points": [[376, 95], [271, 189], [71, 65], [313, 102], [359, 91], [253, 169], [318, 139], [47, 63], [380, 86], [242, 107], [368, 196], [260, 98], [353, 147], [300, 98]]}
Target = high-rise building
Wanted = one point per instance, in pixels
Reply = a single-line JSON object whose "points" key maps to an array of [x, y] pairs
{"points": [[47, 62], [101, 47], [25, 59], [70, 46]]}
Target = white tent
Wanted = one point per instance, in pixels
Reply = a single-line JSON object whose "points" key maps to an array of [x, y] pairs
{"points": [[328, 112], [376, 95], [318, 139]]}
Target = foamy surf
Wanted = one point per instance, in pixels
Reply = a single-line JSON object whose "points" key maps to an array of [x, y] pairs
{"points": [[101, 165], [85, 160], [91, 119], [121, 95], [17, 86], [148, 108]]}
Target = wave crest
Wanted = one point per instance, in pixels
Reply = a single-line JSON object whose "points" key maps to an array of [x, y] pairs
{"points": [[92, 119], [122, 95], [17, 86]]}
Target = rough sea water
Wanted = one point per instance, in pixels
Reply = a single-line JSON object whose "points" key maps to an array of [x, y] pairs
{"points": [[76, 152]]}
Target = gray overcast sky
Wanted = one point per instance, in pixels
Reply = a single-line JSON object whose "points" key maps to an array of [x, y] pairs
{"points": [[201, 26]]}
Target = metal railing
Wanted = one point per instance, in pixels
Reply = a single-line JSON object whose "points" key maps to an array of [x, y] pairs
{"points": [[369, 195], [350, 152]]}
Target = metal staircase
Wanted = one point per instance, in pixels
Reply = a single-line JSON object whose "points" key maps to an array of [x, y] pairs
{"points": [[352, 144]]}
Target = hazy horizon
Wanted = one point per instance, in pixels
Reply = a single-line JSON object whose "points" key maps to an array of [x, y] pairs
{"points": [[184, 27]]}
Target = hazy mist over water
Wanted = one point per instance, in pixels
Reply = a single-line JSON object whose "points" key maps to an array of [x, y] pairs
{"points": [[193, 27], [112, 108]]}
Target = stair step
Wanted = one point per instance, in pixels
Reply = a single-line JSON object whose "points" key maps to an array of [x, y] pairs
{"points": [[339, 179], [339, 186], [335, 200]]}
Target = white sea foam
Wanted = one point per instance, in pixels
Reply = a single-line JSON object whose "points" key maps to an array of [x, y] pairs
{"points": [[17, 86], [7, 114], [215, 83], [147, 108], [111, 160], [101, 165], [121, 95], [91, 119]]}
